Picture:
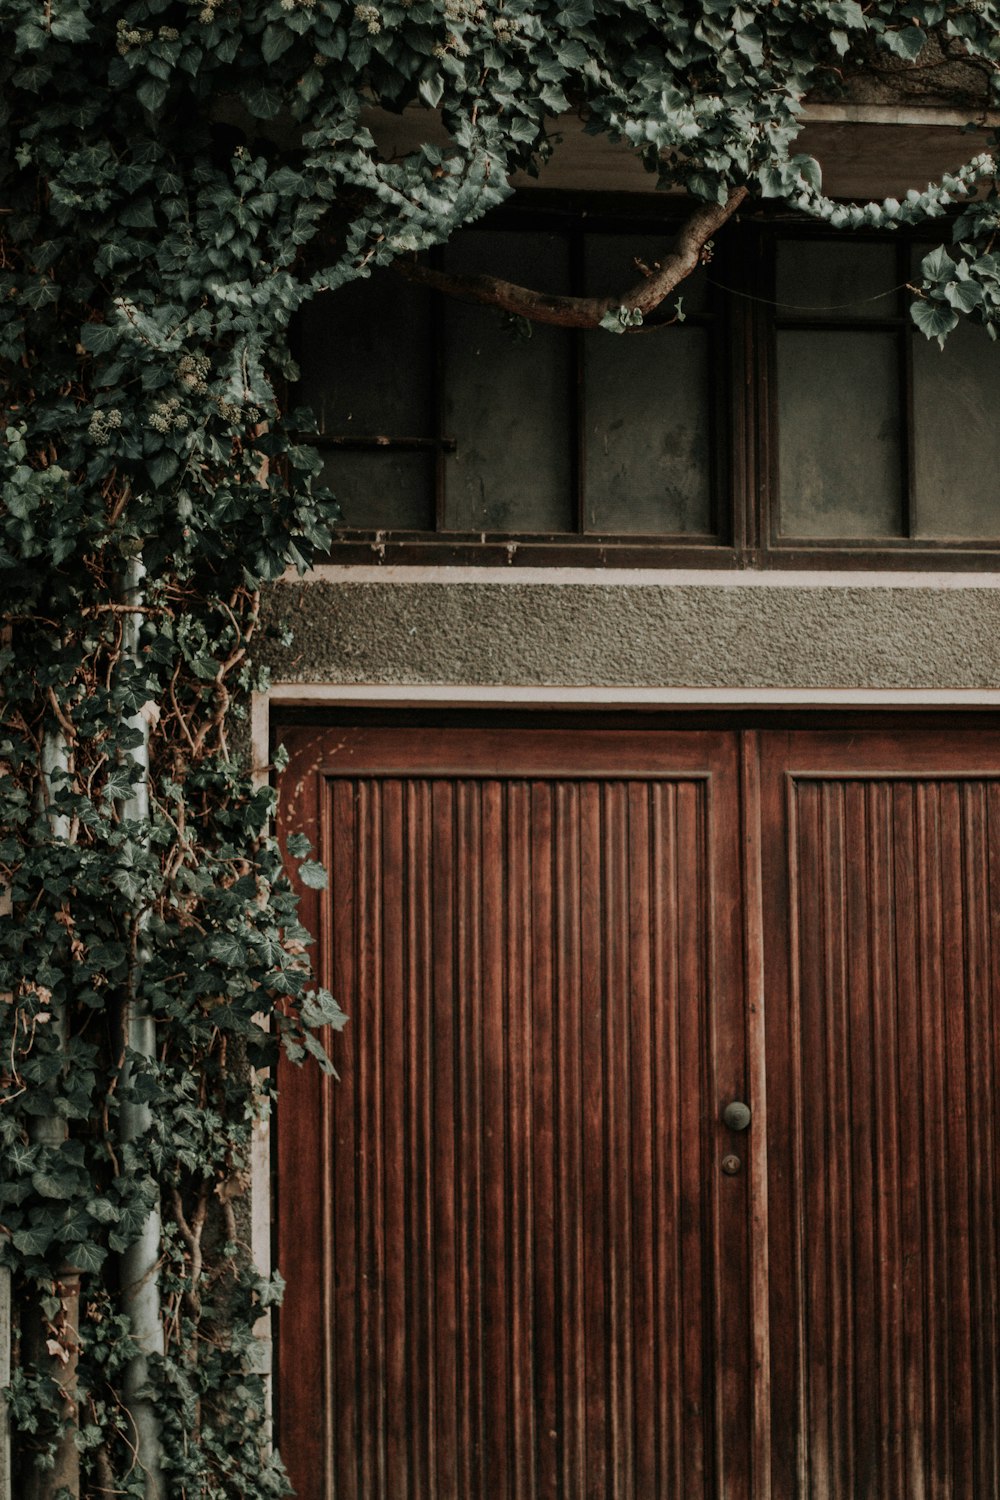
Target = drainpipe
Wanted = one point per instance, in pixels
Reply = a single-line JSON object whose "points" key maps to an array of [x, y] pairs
{"points": [[6, 1300], [6, 1312], [6, 1322], [51, 1131], [139, 1264]]}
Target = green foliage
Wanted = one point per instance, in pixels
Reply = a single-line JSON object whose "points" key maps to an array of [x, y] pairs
{"points": [[176, 180]]}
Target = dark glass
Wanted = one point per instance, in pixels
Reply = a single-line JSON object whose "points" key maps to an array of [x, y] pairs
{"points": [[366, 355], [508, 395], [839, 278], [839, 442], [384, 490], [956, 400], [647, 464]]}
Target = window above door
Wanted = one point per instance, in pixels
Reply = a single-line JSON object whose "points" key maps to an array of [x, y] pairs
{"points": [[786, 413]]}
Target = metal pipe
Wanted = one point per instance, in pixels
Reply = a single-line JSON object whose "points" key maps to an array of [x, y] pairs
{"points": [[6, 1298], [6, 1314], [139, 1264], [6, 1334], [51, 1131]]}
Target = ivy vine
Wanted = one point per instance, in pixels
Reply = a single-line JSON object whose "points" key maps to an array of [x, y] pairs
{"points": [[178, 178]]}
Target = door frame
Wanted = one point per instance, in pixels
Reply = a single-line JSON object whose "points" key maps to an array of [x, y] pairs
{"points": [[745, 710]]}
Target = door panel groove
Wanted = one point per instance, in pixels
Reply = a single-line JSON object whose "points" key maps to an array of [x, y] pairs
{"points": [[517, 1268]]}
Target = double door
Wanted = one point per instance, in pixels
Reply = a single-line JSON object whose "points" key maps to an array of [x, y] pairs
{"points": [[528, 1255]]}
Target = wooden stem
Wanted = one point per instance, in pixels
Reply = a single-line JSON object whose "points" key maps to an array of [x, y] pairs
{"points": [[587, 312]]}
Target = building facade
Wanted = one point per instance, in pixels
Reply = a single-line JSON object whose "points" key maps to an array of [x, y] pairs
{"points": [[645, 719]]}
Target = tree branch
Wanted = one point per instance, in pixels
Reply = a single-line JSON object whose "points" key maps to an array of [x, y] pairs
{"points": [[587, 312]]}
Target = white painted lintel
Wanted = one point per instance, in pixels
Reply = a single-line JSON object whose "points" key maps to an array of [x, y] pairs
{"points": [[704, 578]]}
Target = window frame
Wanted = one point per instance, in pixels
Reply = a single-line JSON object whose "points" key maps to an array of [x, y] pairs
{"points": [[746, 504]]}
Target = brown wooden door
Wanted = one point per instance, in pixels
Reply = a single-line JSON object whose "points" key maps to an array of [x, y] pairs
{"points": [[882, 925], [517, 1268]]}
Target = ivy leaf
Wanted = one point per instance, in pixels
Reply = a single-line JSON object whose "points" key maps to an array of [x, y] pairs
{"points": [[103, 1211], [71, 27], [20, 1157], [316, 1049], [129, 881], [430, 90], [320, 1009], [938, 265], [227, 947], [53, 1184], [162, 466], [33, 1241], [276, 40], [151, 93], [99, 338], [908, 43], [86, 1255], [964, 295], [313, 875], [933, 320], [119, 785]]}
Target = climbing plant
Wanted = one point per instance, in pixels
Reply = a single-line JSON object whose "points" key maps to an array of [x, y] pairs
{"points": [[178, 178]]}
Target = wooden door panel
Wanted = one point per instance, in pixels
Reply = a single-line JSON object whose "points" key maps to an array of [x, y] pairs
{"points": [[535, 1272], [882, 903]]}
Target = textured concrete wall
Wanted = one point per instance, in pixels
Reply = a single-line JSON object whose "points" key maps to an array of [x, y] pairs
{"points": [[676, 635]]}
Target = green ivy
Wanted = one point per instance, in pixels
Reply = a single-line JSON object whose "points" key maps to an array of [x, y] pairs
{"points": [[177, 179]]}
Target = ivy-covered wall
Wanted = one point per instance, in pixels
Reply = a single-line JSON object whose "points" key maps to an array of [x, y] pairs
{"points": [[176, 181]]}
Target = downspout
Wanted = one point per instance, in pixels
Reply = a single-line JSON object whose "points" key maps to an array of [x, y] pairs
{"points": [[6, 1299], [51, 1131], [6, 1317], [6, 1325], [139, 1264]]}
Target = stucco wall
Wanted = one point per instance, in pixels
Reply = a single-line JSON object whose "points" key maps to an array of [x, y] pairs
{"points": [[737, 633]]}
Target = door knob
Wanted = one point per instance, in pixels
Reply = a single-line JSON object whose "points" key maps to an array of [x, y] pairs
{"points": [[736, 1115]]}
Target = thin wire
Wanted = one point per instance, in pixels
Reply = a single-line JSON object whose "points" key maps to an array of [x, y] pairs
{"points": [[803, 307]]}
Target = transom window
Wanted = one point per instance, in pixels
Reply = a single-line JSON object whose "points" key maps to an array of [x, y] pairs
{"points": [[792, 416]]}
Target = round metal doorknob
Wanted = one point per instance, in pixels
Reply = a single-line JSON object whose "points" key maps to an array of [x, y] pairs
{"points": [[736, 1115]]}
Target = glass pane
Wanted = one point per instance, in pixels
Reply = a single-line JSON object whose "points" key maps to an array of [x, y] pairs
{"points": [[648, 432], [611, 267], [508, 397], [839, 451], [383, 490], [365, 353], [837, 279], [956, 395]]}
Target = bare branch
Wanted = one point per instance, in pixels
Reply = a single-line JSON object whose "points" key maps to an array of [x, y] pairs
{"points": [[587, 312]]}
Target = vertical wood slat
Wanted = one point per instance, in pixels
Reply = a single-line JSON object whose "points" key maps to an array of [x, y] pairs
{"points": [[495, 1326], [522, 1151], [441, 1228], [418, 1351], [569, 1090], [883, 1029], [397, 1058], [593, 1205], [468, 1166], [521, 1145], [756, 1041], [345, 1333], [642, 928], [983, 877]]}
